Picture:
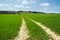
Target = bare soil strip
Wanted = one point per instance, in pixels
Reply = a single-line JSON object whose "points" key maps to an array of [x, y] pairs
{"points": [[48, 31], [23, 33]]}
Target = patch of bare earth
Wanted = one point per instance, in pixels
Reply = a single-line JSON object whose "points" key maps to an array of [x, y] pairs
{"points": [[23, 33], [48, 31]]}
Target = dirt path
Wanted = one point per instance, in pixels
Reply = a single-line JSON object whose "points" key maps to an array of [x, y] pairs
{"points": [[23, 33], [48, 31]]}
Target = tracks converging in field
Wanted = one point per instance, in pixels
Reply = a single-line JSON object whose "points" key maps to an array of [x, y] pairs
{"points": [[47, 30], [23, 33], [30, 29]]}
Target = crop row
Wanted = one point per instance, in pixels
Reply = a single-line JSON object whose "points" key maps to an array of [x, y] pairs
{"points": [[35, 32], [52, 21], [9, 26]]}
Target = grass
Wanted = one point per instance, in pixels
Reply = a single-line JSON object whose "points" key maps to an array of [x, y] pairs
{"points": [[35, 32], [9, 26], [52, 21]]}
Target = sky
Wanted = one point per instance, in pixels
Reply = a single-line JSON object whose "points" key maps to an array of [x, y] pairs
{"points": [[52, 6]]}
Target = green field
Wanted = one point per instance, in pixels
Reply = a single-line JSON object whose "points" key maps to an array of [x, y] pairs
{"points": [[35, 32], [10, 25], [52, 21]]}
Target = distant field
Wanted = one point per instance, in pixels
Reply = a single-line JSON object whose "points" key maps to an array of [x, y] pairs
{"points": [[9, 26], [52, 21]]}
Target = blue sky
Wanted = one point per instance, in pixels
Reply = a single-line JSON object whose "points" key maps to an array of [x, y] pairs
{"points": [[31, 5]]}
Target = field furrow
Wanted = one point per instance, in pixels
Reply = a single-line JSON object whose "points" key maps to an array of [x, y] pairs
{"points": [[30, 26], [23, 33], [35, 32], [52, 21], [47, 30]]}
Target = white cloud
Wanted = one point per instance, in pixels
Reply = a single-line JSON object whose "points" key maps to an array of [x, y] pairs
{"points": [[24, 2], [18, 6], [45, 4], [3, 5], [33, 1], [27, 7], [18, 0], [45, 8], [43, 11]]}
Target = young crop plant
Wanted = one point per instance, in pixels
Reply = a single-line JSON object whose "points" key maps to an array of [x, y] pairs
{"points": [[52, 21], [35, 32], [9, 26]]}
